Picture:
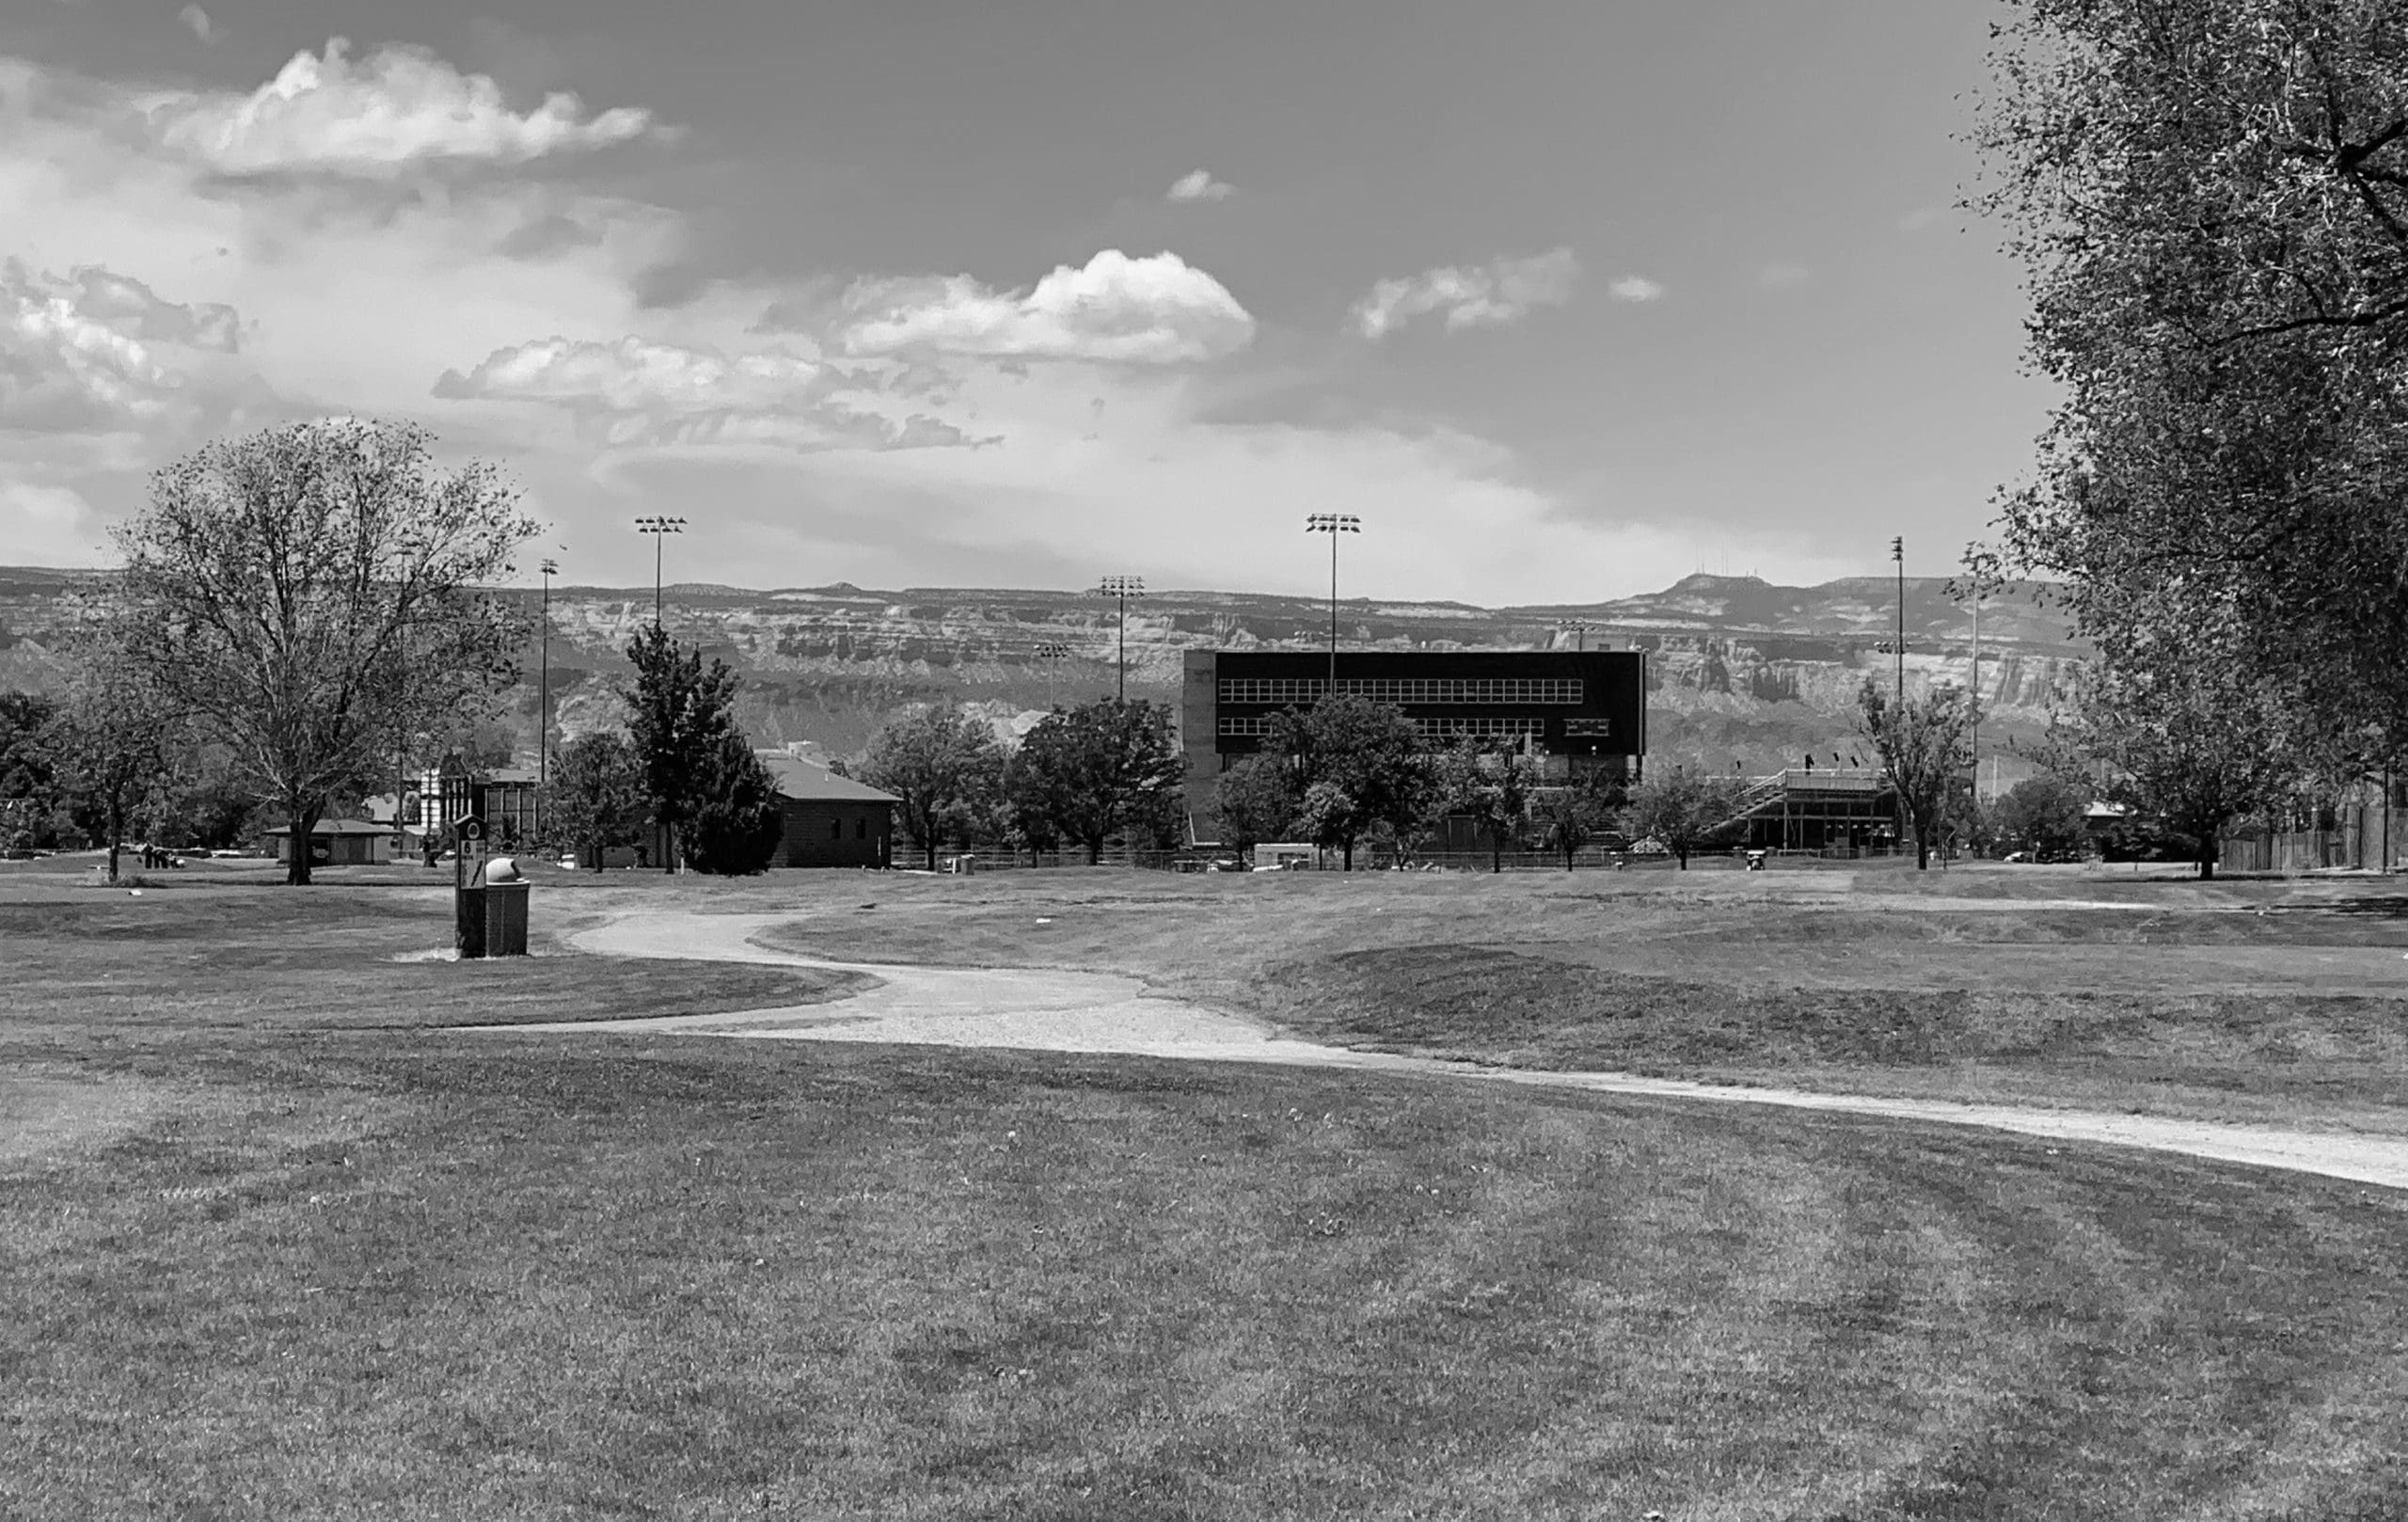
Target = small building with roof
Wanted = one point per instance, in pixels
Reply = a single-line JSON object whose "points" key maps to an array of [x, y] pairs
{"points": [[830, 820], [337, 843]]}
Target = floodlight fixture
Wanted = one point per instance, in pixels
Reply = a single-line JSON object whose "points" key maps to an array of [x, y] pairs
{"points": [[658, 527], [1332, 524], [1123, 588]]}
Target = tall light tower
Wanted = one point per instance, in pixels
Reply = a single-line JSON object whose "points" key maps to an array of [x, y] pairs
{"points": [[1124, 588], [1052, 652], [1578, 628], [549, 569], [1977, 697], [1332, 524], [657, 527], [1898, 553]]}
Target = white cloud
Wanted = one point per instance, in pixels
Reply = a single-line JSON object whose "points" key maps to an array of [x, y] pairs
{"points": [[637, 393], [1198, 184], [1158, 309], [95, 352], [397, 108], [1781, 273], [197, 21], [1501, 290], [1636, 289]]}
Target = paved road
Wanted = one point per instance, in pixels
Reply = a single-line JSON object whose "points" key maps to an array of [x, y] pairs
{"points": [[1035, 1009]]}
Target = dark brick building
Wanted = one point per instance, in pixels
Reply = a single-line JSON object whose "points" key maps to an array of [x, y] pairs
{"points": [[1573, 710]]}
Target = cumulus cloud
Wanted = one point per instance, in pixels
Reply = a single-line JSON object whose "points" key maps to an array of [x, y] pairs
{"points": [[1635, 288], [1501, 290], [639, 392], [1198, 184], [198, 21], [1154, 311], [395, 109], [84, 353]]}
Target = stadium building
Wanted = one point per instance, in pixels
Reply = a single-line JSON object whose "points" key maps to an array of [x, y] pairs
{"points": [[1573, 711]]}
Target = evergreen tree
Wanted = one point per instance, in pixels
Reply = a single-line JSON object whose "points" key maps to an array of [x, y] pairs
{"points": [[678, 718]]}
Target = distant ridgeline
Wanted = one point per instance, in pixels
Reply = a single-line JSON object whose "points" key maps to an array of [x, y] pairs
{"points": [[1742, 673]]}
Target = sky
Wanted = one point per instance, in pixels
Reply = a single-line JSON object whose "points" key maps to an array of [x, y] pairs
{"points": [[1564, 299]]}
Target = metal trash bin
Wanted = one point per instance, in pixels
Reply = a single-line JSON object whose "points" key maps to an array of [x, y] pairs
{"points": [[505, 918]]}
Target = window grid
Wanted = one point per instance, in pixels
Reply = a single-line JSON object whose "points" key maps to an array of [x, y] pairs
{"points": [[1482, 689], [1253, 726]]}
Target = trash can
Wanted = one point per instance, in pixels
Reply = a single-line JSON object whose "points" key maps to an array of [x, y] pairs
{"points": [[505, 919]]}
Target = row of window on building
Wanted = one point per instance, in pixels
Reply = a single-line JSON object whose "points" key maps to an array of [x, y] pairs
{"points": [[1498, 690], [1258, 726]]}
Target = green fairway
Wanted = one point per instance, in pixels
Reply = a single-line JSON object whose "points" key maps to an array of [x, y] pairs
{"points": [[284, 1248]]}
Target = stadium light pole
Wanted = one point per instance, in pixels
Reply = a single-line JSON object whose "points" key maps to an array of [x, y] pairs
{"points": [[1124, 588], [1332, 524], [657, 527], [1052, 652], [1898, 553], [549, 569]]}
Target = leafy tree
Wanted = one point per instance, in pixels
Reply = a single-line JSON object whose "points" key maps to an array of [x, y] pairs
{"points": [[305, 588], [2044, 814], [1091, 771], [1684, 811], [1492, 784], [1257, 800], [941, 764], [740, 821], [117, 741], [1925, 752], [29, 771], [1371, 757], [678, 719], [2212, 199], [2191, 740], [1572, 813], [595, 794]]}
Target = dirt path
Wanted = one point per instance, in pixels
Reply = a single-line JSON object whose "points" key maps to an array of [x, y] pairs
{"points": [[1035, 1009]]}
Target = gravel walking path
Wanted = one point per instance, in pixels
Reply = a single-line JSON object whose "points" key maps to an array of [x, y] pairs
{"points": [[1035, 1009]]}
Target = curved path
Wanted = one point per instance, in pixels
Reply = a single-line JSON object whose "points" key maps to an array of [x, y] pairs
{"points": [[1035, 1009]]}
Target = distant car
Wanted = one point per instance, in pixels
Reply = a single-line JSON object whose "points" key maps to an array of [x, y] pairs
{"points": [[1224, 863], [2017, 856]]}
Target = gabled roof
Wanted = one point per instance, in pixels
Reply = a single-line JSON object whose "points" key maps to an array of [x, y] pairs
{"points": [[337, 827], [807, 781]]}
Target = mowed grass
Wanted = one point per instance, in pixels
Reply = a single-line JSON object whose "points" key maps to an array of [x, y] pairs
{"points": [[269, 1263], [527, 1276], [87, 967], [2271, 1003]]}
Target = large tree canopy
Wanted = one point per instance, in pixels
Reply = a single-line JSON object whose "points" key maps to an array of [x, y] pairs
{"points": [[304, 592], [2212, 199], [1091, 772]]}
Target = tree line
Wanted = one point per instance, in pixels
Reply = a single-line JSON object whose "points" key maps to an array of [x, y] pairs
{"points": [[2210, 202]]}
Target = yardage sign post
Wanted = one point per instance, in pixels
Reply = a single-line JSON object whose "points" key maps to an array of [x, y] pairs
{"points": [[467, 904]]}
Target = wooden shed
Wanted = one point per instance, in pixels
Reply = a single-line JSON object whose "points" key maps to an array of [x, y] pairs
{"points": [[337, 843], [830, 820]]}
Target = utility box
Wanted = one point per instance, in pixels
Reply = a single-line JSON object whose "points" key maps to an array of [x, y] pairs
{"points": [[505, 917], [468, 934]]}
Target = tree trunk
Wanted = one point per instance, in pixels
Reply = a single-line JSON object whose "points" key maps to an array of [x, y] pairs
{"points": [[1683, 858], [1495, 852], [299, 820], [117, 833], [1095, 850], [1346, 856], [1922, 853]]}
